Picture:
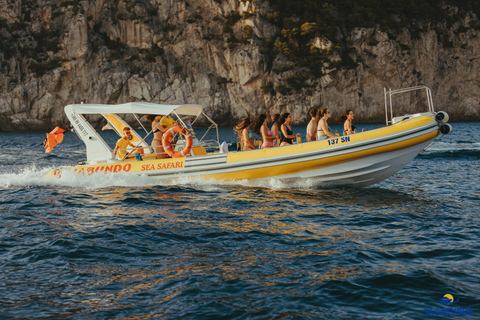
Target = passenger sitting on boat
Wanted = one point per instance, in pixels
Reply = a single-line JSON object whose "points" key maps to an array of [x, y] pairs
{"points": [[286, 129], [158, 131], [312, 125], [246, 137], [347, 118], [122, 144], [276, 128], [261, 128], [323, 130]]}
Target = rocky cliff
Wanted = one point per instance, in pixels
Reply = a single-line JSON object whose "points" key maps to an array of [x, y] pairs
{"points": [[226, 55]]}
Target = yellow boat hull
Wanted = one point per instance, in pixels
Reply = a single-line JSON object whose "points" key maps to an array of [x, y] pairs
{"points": [[359, 159]]}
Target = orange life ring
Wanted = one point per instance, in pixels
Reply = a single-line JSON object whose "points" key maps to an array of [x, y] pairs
{"points": [[167, 136]]}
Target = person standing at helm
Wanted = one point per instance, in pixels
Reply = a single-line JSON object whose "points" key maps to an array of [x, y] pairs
{"points": [[122, 144]]}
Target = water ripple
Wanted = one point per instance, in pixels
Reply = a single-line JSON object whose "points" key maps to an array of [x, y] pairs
{"points": [[131, 249]]}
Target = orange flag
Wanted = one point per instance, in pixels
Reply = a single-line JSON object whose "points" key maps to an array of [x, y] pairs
{"points": [[53, 138]]}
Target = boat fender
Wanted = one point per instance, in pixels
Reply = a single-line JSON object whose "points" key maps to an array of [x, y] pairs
{"points": [[167, 136], [441, 117], [446, 128]]}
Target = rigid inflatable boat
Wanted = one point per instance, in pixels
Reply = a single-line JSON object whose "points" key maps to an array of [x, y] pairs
{"points": [[359, 159]]}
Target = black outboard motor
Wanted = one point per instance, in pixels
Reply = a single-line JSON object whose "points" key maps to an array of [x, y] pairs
{"points": [[445, 128], [442, 119]]}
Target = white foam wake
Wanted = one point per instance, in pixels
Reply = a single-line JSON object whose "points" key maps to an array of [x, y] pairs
{"points": [[36, 177], [454, 146], [33, 176]]}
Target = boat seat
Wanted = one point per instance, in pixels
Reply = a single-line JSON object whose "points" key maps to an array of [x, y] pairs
{"points": [[199, 151]]}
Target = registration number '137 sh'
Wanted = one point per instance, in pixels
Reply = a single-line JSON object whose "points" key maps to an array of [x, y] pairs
{"points": [[335, 141]]}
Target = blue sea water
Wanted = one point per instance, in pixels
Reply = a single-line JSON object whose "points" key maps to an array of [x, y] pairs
{"points": [[114, 247]]}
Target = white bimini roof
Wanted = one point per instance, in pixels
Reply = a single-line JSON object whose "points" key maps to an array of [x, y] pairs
{"points": [[136, 107]]}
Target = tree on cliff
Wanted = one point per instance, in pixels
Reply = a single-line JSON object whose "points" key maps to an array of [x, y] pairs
{"points": [[265, 53]]}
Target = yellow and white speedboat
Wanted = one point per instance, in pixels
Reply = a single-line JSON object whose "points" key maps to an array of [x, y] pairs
{"points": [[358, 159]]}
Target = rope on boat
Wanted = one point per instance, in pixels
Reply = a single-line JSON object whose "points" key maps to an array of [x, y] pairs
{"points": [[431, 144]]}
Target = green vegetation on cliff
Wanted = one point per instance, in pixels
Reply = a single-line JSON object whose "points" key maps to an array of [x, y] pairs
{"points": [[289, 51], [301, 21]]}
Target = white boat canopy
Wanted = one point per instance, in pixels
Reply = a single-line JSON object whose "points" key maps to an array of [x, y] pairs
{"points": [[97, 149], [137, 107]]}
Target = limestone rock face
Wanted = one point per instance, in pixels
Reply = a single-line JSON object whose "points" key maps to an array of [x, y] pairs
{"points": [[213, 53]]}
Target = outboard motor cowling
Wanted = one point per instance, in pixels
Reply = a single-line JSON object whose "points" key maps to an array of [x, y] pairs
{"points": [[445, 128], [441, 117]]}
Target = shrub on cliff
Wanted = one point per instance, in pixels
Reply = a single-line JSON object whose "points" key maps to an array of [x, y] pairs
{"points": [[42, 68]]}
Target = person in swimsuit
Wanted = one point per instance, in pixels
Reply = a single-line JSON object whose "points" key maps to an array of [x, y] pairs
{"points": [[276, 128], [323, 130], [347, 118], [312, 125], [286, 129], [159, 129], [246, 137], [262, 129]]}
